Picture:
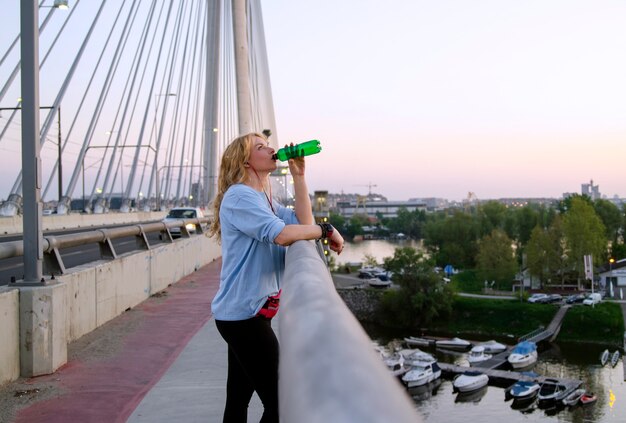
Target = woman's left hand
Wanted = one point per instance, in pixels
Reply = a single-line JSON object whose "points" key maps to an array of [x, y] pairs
{"points": [[336, 242]]}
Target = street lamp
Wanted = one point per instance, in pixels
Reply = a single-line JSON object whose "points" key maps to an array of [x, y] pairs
{"points": [[59, 4], [611, 261]]}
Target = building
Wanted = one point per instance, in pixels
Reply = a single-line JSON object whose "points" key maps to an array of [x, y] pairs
{"points": [[365, 206], [613, 279], [591, 190]]}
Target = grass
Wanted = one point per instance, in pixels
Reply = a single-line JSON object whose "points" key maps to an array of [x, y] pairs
{"points": [[496, 317], [602, 324], [467, 281]]}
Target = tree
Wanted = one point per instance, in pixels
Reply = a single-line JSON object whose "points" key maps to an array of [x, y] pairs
{"points": [[611, 217], [422, 297], [491, 215], [544, 252], [495, 259], [584, 234], [452, 240]]}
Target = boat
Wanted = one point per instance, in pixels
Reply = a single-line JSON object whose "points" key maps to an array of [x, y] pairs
{"points": [[492, 347], [455, 344], [604, 357], [551, 390], [477, 355], [587, 399], [524, 390], [421, 374], [419, 342], [415, 354], [395, 364], [574, 397], [470, 381], [615, 358], [523, 355]]}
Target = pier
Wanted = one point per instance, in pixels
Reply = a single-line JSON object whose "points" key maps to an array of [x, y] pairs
{"points": [[505, 378]]}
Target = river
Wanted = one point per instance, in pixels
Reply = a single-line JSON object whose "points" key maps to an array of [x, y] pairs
{"points": [[572, 361], [379, 249], [438, 403]]}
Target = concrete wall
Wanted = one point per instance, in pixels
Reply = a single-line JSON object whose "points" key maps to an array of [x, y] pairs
{"points": [[92, 295], [9, 334], [13, 225]]}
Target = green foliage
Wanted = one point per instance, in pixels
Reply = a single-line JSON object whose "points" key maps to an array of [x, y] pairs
{"points": [[369, 260], [495, 260], [491, 216], [410, 223], [584, 233], [611, 217], [355, 226], [545, 252], [504, 317], [467, 281], [452, 240], [601, 323], [422, 297]]}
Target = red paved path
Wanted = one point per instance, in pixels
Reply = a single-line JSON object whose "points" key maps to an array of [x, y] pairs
{"points": [[109, 390]]}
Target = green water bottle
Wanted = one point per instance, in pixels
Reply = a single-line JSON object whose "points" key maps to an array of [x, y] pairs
{"points": [[298, 150]]}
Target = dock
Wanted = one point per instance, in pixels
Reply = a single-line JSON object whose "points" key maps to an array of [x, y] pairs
{"points": [[505, 378]]}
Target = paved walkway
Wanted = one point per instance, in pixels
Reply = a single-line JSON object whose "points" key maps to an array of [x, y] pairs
{"points": [[164, 361]]}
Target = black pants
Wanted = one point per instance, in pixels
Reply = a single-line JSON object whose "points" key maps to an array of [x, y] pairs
{"points": [[252, 366]]}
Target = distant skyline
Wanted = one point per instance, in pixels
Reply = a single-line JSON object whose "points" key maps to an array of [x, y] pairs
{"points": [[436, 99]]}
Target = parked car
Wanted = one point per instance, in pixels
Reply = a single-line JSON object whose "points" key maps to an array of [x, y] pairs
{"points": [[554, 298], [537, 298], [575, 298], [182, 213], [592, 299]]}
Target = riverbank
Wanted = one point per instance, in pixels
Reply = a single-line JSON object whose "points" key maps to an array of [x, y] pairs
{"points": [[487, 317]]}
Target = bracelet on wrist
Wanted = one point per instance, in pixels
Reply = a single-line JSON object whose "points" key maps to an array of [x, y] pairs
{"points": [[327, 230]]}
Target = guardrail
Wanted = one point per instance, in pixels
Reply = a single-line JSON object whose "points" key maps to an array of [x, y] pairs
{"points": [[329, 371], [52, 244]]}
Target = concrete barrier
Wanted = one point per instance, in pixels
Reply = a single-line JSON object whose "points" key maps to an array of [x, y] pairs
{"points": [[86, 298], [13, 224], [9, 334]]}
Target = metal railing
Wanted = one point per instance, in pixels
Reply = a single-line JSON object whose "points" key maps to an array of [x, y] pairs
{"points": [[329, 371], [52, 244]]}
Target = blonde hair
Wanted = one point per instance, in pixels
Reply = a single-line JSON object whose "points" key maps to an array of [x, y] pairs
{"points": [[232, 171]]}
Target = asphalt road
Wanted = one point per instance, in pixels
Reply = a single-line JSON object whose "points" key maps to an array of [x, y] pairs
{"points": [[72, 257]]}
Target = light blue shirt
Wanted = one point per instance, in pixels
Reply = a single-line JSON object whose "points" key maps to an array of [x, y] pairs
{"points": [[252, 265]]}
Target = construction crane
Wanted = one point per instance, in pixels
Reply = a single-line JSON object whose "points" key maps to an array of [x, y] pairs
{"points": [[369, 187]]}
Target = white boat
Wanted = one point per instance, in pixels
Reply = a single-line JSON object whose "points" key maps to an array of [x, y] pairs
{"points": [[477, 355], [455, 344], [524, 389], [470, 381], [523, 355], [419, 342], [615, 358], [395, 364], [574, 397], [415, 354], [551, 391], [604, 357], [421, 374], [492, 347]]}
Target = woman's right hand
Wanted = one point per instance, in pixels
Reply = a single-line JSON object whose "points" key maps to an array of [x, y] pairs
{"points": [[336, 242]]}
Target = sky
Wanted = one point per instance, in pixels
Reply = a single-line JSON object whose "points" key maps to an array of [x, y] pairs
{"points": [[441, 98], [417, 98]]}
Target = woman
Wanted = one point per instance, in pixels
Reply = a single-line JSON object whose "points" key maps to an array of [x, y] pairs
{"points": [[254, 231]]}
